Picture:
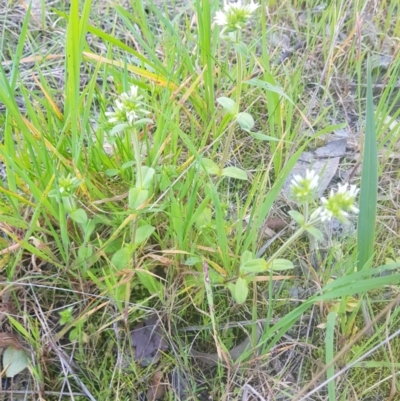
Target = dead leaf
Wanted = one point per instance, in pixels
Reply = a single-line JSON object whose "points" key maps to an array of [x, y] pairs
{"points": [[7, 339], [156, 387], [162, 259], [148, 341], [324, 161], [276, 224]]}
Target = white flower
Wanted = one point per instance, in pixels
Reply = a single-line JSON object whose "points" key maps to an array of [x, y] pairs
{"points": [[234, 15], [68, 185], [340, 203], [128, 108], [303, 187]]}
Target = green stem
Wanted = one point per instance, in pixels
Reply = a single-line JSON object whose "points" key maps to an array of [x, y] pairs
{"points": [[239, 80], [135, 144], [292, 239], [138, 161]]}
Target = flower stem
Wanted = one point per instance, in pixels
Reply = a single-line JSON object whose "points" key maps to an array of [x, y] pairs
{"points": [[239, 79], [135, 144], [294, 237]]}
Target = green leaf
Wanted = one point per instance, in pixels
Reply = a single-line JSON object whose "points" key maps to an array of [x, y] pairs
{"points": [[89, 228], [66, 316], [79, 216], [228, 105], [246, 257], [14, 361], [151, 284], [254, 266], [142, 234], [241, 290], [193, 260], [112, 172], [281, 265], [268, 87], [262, 137], [118, 128], [137, 197], [297, 217], [241, 48], [210, 167], [317, 234], [204, 219], [245, 120], [122, 258], [235, 172], [329, 354], [369, 185], [85, 252], [147, 177], [127, 165], [142, 121]]}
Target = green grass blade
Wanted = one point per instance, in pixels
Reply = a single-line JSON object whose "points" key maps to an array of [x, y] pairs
{"points": [[369, 185], [73, 74], [329, 353], [207, 59]]}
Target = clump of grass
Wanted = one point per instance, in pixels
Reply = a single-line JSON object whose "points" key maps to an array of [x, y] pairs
{"points": [[120, 202]]}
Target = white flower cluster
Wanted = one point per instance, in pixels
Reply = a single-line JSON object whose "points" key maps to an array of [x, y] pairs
{"points": [[303, 187], [339, 203], [235, 15], [129, 108], [68, 185]]}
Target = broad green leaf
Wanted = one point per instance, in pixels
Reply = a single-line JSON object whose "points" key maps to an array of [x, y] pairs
{"points": [[234, 172], [122, 258], [241, 290], [142, 234], [317, 234], [127, 164], [210, 167], [192, 261], [14, 361], [85, 252], [246, 257], [245, 120], [137, 197], [369, 185], [118, 128], [89, 228], [112, 172], [229, 105], [215, 277], [297, 217], [79, 216], [204, 219], [281, 264], [254, 266], [241, 48], [142, 121], [147, 177], [151, 284]]}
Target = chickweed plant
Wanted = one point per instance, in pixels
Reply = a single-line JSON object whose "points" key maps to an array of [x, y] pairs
{"points": [[143, 163]]}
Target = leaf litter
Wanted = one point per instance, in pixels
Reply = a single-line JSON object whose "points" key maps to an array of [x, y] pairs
{"points": [[148, 341]]}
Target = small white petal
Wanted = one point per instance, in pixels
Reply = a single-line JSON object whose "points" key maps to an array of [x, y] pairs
{"points": [[354, 209]]}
